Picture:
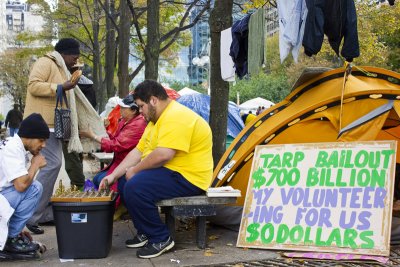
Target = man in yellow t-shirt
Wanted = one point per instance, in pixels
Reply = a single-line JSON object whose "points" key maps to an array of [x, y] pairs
{"points": [[173, 159]]}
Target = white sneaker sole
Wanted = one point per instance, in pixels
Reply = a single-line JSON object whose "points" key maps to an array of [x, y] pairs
{"points": [[159, 253], [138, 245]]}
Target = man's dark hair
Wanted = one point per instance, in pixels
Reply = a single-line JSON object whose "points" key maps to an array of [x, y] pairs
{"points": [[149, 88], [67, 46]]}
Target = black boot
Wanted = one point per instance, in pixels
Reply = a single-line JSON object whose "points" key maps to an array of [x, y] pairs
{"points": [[20, 245], [35, 229]]}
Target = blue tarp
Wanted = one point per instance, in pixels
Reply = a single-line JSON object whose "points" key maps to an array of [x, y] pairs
{"points": [[200, 104]]}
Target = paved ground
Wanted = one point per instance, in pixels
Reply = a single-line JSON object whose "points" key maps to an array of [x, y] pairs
{"points": [[221, 248], [221, 251]]}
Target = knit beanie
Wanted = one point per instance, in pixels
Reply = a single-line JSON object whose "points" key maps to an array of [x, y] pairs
{"points": [[33, 127], [67, 46]]}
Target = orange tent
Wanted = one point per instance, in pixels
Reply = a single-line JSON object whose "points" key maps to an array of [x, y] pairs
{"points": [[323, 108]]}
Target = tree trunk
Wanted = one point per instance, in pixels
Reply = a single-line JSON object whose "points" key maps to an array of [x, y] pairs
{"points": [[152, 50], [110, 49], [123, 55], [220, 19], [97, 67]]}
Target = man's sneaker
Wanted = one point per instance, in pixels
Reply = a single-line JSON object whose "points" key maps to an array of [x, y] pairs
{"points": [[152, 250], [137, 242], [20, 245]]}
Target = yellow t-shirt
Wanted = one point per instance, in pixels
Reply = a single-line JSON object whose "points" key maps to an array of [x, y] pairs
{"points": [[183, 130]]}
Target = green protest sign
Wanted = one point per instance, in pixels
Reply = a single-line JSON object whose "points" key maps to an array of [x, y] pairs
{"points": [[326, 197]]}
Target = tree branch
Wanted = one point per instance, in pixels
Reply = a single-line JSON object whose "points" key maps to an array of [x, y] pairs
{"points": [[136, 71], [175, 32], [112, 19], [135, 23]]}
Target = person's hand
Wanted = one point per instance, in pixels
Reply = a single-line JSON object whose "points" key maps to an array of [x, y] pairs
{"points": [[68, 85], [26, 236], [39, 160], [130, 172], [109, 179], [106, 122]]}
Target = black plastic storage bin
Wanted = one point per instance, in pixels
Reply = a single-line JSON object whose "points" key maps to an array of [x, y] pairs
{"points": [[84, 229]]}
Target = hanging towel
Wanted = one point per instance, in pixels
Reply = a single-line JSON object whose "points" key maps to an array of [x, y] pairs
{"points": [[227, 65], [292, 17], [6, 212], [256, 42]]}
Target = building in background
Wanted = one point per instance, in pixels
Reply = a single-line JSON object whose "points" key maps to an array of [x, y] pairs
{"points": [[178, 72], [271, 21], [3, 46], [3, 27], [199, 48], [16, 17], [19, 18]]}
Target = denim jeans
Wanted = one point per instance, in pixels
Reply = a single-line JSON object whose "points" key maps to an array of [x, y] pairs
{"points": [[24, 204], [98, 177], [141, 193], [13, 131]]}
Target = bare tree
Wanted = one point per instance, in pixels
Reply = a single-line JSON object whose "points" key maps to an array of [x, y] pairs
{"points": [[97, 66], [157, 42], [81, 19], [14, 72], [123, 43], [152, 52], [111, 47], [220, 19]]}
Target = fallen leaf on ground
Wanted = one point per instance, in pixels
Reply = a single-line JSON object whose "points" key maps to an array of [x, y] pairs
{"points": [[208, 253], [213, 237], [290, 260]]}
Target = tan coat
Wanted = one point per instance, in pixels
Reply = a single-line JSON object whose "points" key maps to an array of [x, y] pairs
{"points": [[41, 95], [46, 74]]}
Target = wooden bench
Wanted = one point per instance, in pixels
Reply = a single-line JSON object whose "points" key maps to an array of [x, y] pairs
{"points": [[196, 206], [103, 158]]}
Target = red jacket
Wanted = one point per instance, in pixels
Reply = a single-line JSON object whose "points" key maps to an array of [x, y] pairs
{"points": [[124, 140]]}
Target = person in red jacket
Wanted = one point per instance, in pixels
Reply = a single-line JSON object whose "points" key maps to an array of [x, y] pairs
{"points": [[129, 131]]}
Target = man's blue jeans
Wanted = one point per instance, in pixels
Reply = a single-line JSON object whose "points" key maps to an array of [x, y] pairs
{"points": [[141, 193], [24, 204], [98, 177], [13, 131]]}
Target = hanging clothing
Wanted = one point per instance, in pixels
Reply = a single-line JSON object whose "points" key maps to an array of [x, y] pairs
{"points": [[227, 65], [239, 46], [256, 44], [338, 20], [292, 17]]}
